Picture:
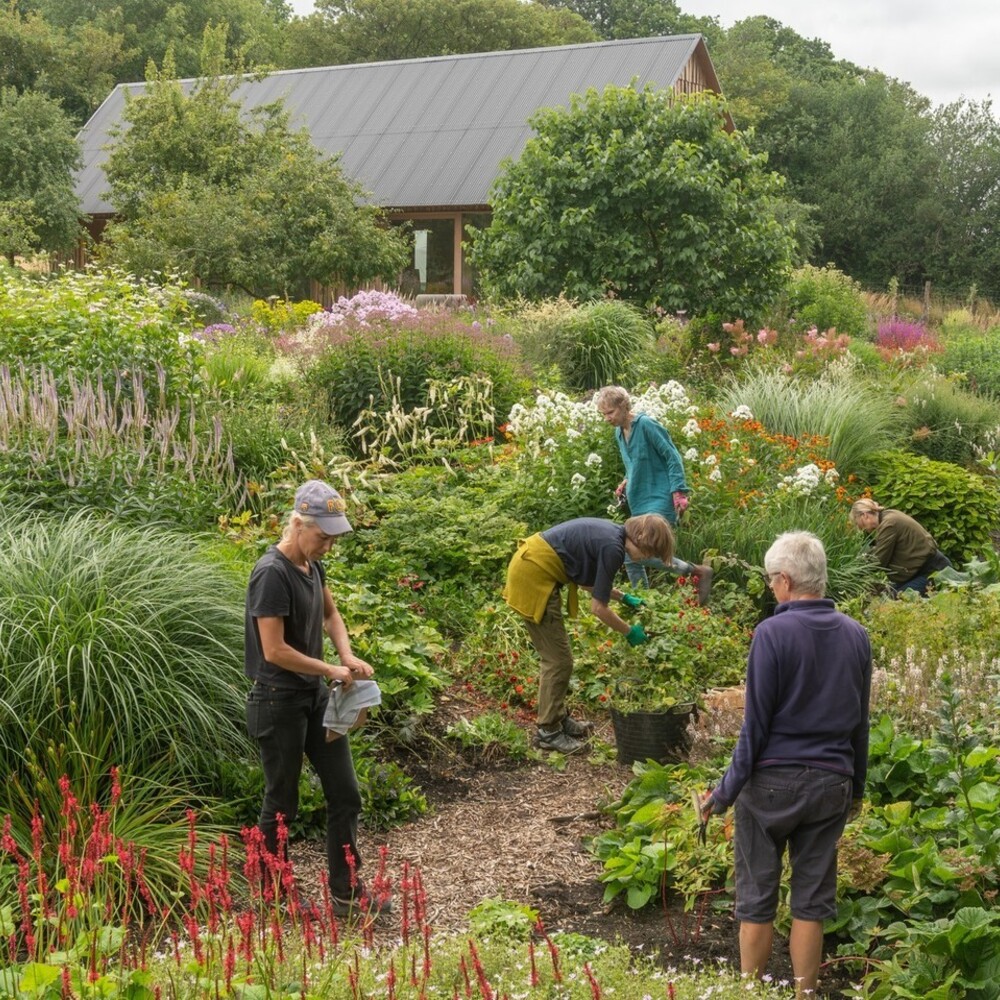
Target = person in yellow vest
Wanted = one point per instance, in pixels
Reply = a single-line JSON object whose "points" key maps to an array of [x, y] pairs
{"points": [[906, 550], [585, 553]]}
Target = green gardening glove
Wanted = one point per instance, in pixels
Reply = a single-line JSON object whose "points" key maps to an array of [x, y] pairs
{"points": [[632, 601], [636, 635]]}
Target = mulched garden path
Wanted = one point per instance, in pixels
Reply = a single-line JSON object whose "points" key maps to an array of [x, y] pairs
{"points": [[518, 832]]}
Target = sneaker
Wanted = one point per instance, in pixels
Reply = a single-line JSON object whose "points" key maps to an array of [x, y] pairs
{"points": [[556, 739], [577, 728], [704, 574], [361, 905]]}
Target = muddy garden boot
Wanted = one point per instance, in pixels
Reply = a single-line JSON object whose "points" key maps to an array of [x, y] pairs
{"points": [[579, 729], [556, 739]]}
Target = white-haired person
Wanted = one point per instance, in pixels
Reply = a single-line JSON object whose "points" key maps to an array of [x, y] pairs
{"points": [[798, 771], [654, 480], [584, 553], [903, 547], [289, 608]]}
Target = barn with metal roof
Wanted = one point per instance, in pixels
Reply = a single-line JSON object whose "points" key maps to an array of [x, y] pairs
{"points": [[426, 137]]}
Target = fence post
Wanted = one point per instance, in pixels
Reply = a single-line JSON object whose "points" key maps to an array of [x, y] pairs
{"points": [[927, 301]]}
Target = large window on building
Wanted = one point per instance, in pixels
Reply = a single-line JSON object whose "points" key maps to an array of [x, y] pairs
{"points": [[432, 266]]}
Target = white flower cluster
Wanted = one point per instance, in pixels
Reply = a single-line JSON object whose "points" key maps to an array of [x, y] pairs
{"points": [[550, 419], [742, 412], [664, 401], [691, 429], [807, 479]]}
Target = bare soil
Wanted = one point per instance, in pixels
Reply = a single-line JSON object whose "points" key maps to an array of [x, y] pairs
{"points": [[497, 829]]}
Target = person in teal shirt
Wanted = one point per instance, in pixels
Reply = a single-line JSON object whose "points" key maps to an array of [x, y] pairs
{"points": [[654, 480]]}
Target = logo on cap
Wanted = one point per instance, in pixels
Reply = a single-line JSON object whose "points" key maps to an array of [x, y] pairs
{"points": [[335, 505]]}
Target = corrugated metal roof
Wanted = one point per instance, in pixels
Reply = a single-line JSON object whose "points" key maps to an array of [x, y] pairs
{"points": [[424, 132]]}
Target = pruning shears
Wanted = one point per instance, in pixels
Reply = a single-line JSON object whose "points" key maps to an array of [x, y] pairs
{"points": [[699, 810]]}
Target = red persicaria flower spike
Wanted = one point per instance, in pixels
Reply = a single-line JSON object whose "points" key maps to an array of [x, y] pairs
{"points": [[484, 984], [352, 865], [427, 951], [390, 979], [534, 966], [464, 969], [595, 989]]}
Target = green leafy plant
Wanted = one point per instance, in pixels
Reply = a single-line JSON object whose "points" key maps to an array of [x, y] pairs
{"points": [[108, 324], [491, 736], [948, 423], [975, 354], [825, 298], [592, 345], [654, 847], [690, 649], [356, 366]]}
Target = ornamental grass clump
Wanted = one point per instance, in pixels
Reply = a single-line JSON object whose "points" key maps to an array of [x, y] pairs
{"points": [[131, 637], [854, 418]]}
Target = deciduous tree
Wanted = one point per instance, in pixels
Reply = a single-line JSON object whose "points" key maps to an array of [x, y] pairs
{"points": [[229, 196], [38, 154], [642, 196], [349, 31]]}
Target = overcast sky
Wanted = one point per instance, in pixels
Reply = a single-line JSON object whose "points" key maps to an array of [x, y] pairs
{"points": [[945, 51]]}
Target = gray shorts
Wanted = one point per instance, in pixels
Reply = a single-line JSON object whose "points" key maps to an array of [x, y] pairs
{"points": [[804, 808]]}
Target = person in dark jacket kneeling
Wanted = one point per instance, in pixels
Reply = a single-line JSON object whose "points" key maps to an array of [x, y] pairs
{"points": [[798, 771], [906, 550]]}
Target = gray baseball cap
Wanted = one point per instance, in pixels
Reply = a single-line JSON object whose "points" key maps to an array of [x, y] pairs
{"points": [[321, 501]]}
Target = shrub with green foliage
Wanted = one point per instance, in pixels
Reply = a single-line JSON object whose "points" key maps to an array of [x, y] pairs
{"points": [[825, 298], [354, 364], [592, 345], [442, 540], [960, 509], [977, 355], [108, 324]]}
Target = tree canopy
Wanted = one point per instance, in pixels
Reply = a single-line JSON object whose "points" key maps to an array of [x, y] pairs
{"points": [[39, 210], [209, 190], [351, 31], [639, 195]]}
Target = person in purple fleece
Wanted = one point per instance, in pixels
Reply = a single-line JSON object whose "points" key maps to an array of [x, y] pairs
{"points": [[797, 775]]}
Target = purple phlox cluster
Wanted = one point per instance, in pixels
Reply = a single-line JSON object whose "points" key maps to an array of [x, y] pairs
{"points": [[363, 307], [902, 335]]}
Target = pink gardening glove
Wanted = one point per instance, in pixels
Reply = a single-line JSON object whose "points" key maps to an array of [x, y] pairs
{"points": [[680, 503]]}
